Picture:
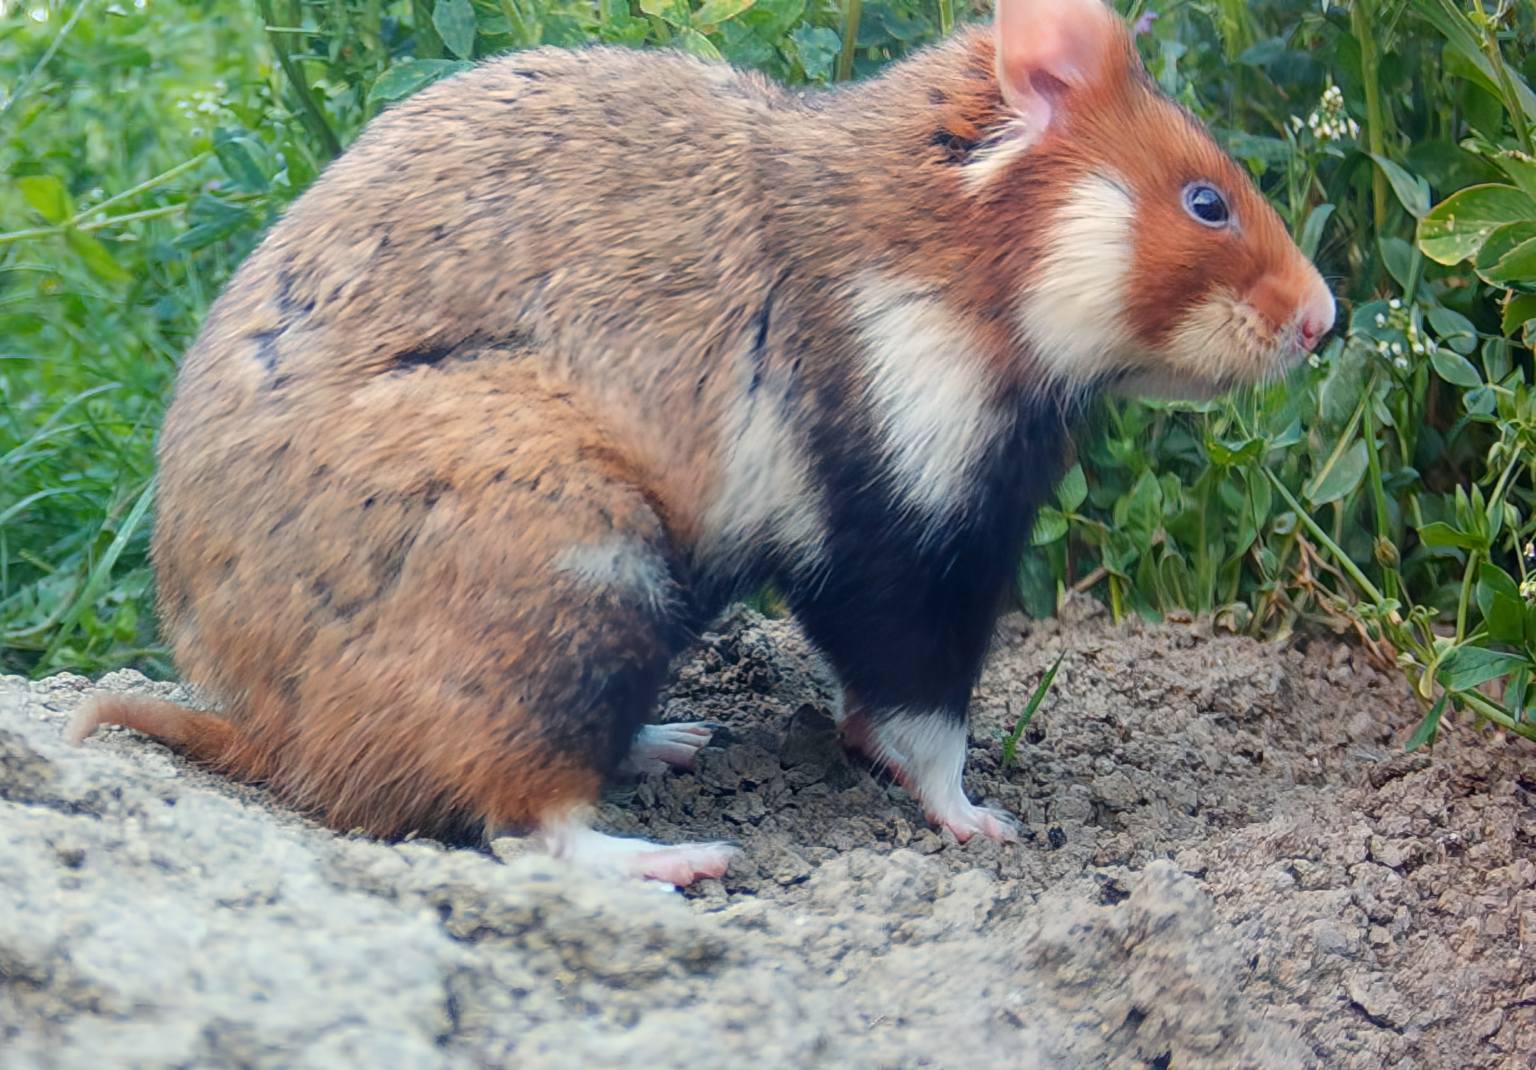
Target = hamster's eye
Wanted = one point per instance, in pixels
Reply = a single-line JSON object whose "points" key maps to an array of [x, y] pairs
{"points": [[1206, 204]]}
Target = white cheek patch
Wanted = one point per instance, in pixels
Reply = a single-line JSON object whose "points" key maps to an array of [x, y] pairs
{"points": [[621, 564], [1071, 316], [767, 491], [930, 391]]}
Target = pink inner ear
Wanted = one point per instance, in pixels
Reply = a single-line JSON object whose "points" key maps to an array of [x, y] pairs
{"points": [[1045, 48]]}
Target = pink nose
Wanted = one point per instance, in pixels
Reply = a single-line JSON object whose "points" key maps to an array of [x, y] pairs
{"points": [[1316, 317]]}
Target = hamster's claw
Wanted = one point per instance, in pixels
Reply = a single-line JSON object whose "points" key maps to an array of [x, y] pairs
{"points": [[977, 820], [682, 864], [660, 746]]}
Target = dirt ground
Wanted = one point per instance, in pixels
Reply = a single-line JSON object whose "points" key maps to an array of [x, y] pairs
{"points": [[1228, 861]]}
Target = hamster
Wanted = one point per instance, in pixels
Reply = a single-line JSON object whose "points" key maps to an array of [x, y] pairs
{"points": [[572, 349]]}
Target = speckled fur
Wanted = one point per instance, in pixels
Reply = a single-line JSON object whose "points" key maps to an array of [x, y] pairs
{"points": [[516, 326]]}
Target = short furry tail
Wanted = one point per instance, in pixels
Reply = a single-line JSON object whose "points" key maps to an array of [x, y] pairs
{"points": [[202, 737]]}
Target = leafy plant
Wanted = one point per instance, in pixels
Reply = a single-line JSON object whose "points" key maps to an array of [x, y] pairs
{"points": [[1012, 736]]}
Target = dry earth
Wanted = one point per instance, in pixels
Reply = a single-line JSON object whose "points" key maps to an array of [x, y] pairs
{"points": [[1228, 862]]}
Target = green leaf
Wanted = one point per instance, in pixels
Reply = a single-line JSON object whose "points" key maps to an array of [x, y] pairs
{"points": [[1399, 258], [1467, 666], [47, 195], [1011, 741], [1499, 599], [717, 11], [1144, 511], [695, 44], [1427, 727], [1508, 257], [1050, 525], [1340, 479], [1494, 580], [455, 23], [1073, 489], [818, 47], [1442, 534], [1340, 392], [403, 79], [1176, 586], [1119, 553], [95, 256], [1453, 329], [1312, 230], [1515, 692], [1520, 169], [238, 156], [1456, 228], [1455, 368], [1037, 585], [1519, 311], [1411, 190], [1229, 454], [211, 220], [1505, 618]]}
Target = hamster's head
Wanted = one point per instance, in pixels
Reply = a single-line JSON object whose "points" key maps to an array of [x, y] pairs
{"points": [[1155, 265]]}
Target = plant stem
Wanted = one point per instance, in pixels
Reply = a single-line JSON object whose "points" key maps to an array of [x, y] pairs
{"points": [[519, 26], [1322, 537], [1497, 714], [851, 14], [96, 224], [1491, 49], [1362, 24], [1378, 491], [314, 114]]}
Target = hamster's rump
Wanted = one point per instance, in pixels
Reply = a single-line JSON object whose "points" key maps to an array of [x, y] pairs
{"points": [[386, 601]]}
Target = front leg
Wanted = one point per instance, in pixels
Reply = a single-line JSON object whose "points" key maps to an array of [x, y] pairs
{"points": [[925, 751], [908, 653]]}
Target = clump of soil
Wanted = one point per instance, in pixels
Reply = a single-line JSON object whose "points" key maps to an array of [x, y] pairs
{"points": [[1227, 861]]}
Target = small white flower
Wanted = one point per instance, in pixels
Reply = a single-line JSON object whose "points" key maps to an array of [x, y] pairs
{"points": [[1397, 349], [1381, 319], [1394, 304]]}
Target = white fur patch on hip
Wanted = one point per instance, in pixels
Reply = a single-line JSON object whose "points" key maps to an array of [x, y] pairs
{"points": [[767, 492], [624, 565]]}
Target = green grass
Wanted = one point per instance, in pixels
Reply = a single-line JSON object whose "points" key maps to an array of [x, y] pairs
{"points": [[1386, 489]]}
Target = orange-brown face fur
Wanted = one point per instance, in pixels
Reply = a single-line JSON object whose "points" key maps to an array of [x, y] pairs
{"points": [[1188, 308]]}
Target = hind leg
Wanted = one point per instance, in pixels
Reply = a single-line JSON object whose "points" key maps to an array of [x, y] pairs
{"points": [[454, 612], [572, 837]]}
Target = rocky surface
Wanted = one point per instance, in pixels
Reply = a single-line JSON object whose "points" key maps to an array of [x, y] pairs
{"points": [[1228, 861]]}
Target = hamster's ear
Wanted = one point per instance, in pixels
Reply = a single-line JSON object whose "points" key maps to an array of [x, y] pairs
{"points": [[1045, 50]]}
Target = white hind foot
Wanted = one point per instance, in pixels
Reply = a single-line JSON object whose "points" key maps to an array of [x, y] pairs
{"points": [[660, 746], [925, 752], [577, 842]]}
